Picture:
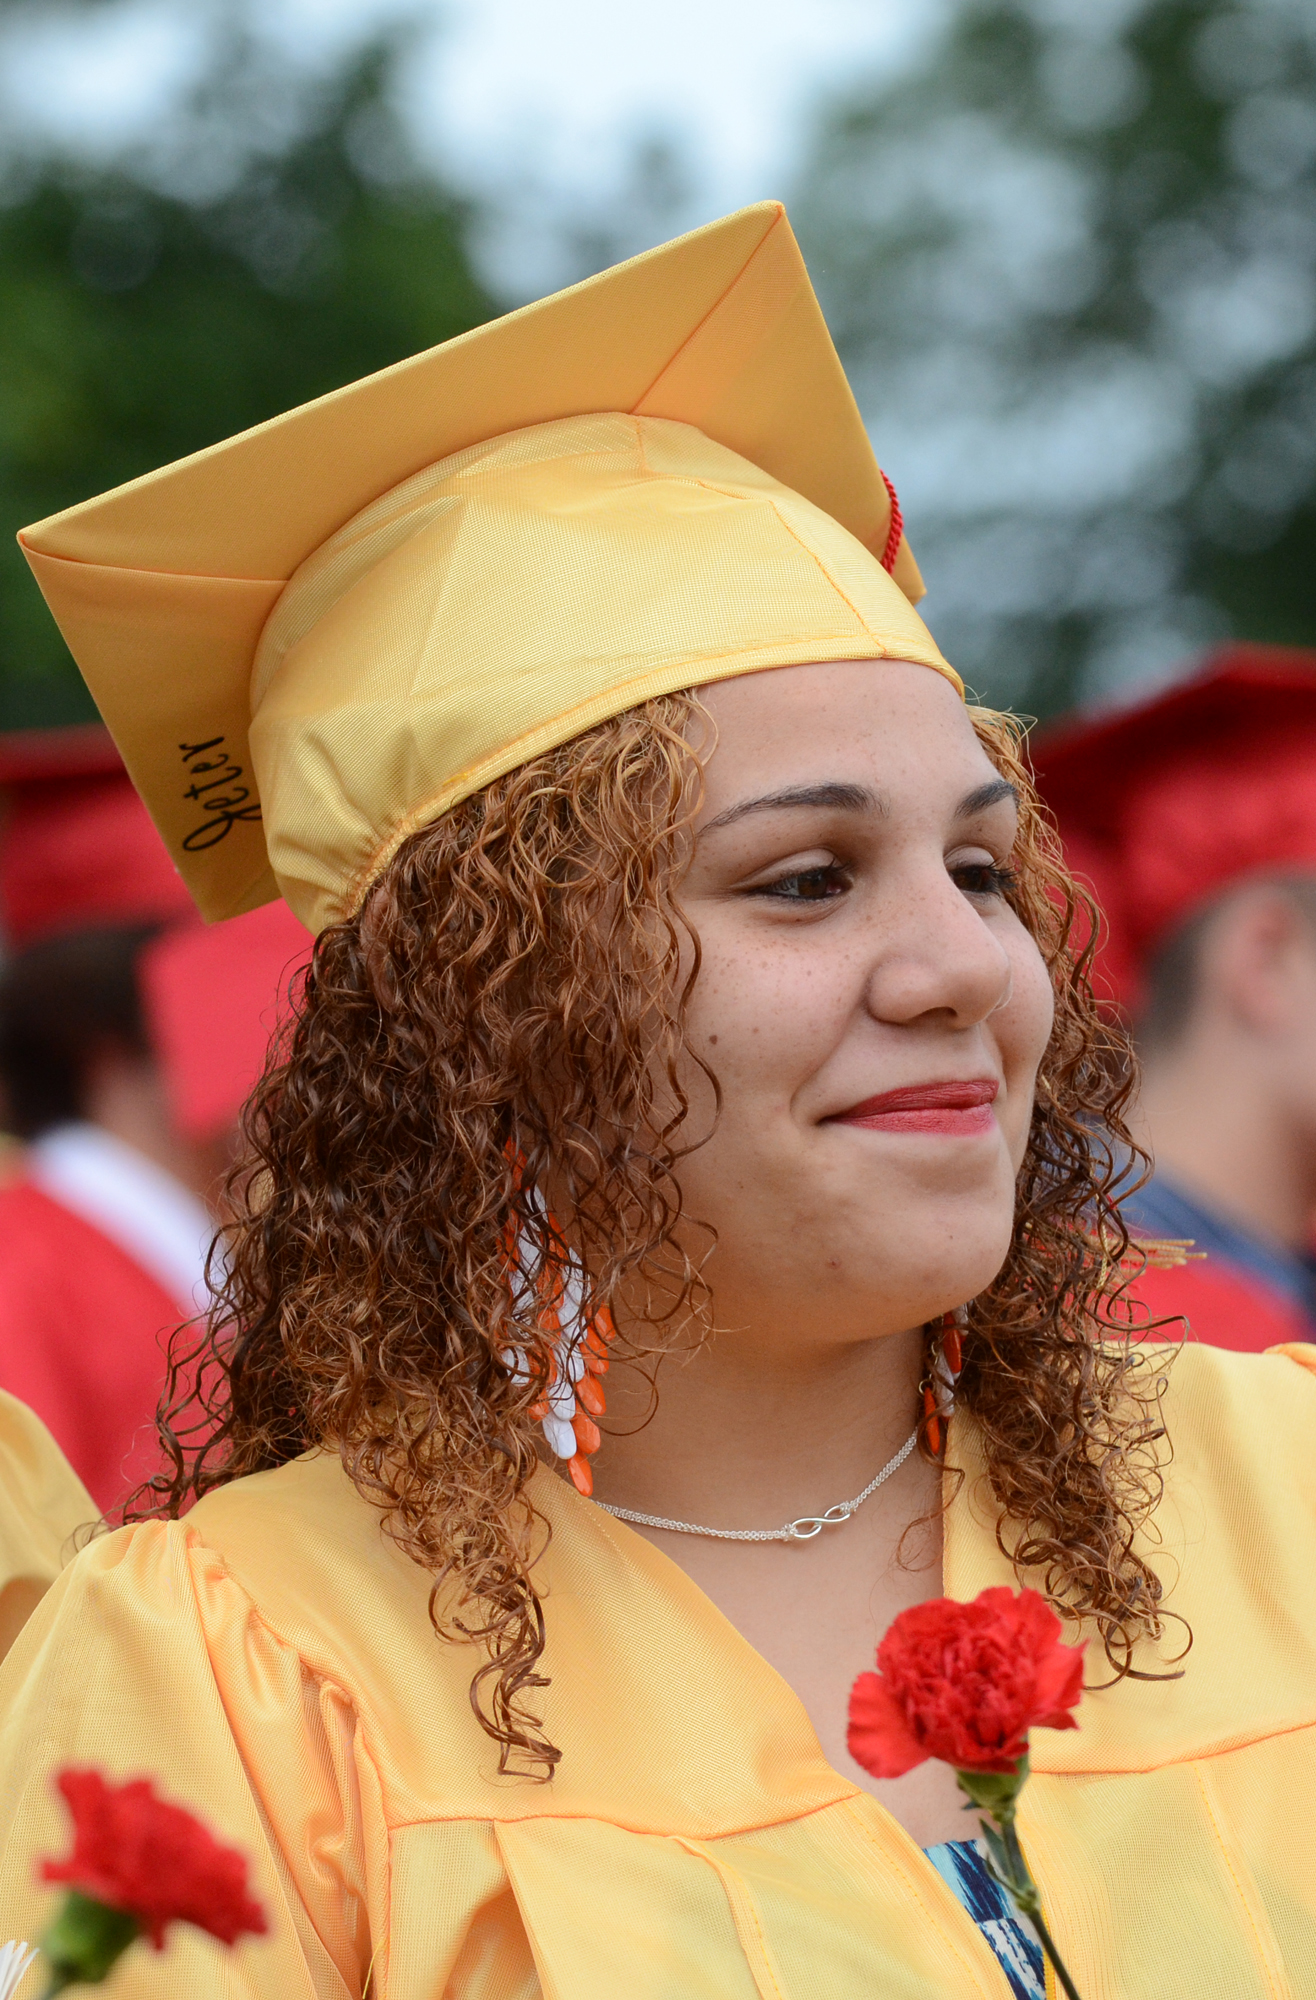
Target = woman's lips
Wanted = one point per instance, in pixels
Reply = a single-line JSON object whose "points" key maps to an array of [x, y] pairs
{"points": [[958, 1110]]}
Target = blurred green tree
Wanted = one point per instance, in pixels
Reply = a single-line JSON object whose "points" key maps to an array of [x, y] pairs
{"points": [[1070, 259], [272, 241]]}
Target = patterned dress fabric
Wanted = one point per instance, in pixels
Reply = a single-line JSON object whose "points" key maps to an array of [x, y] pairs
{"points": [[962, 1865]]}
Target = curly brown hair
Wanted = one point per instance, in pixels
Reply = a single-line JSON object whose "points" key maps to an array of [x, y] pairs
{"points": [[506, 1007]]}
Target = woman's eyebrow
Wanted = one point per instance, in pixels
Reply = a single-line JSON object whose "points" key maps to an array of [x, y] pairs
{"points": [[991, 794], [845, 798]]}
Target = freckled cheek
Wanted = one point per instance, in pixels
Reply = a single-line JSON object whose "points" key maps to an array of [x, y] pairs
{"points": [[761, 1022]]}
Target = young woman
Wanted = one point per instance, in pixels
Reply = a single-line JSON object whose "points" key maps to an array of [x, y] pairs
{"points": [[695, 994]]}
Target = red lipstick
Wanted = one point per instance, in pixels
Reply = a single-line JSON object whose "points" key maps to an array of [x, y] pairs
{"points": [[954, 1110]]}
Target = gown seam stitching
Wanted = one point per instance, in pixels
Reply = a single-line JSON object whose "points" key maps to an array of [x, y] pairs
{"points": [[931, 1915], [1206, 1754], [1265, 1956], [737, 1891]]}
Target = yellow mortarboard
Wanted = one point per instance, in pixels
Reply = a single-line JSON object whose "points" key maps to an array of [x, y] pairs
{"points": [[317, 636]]}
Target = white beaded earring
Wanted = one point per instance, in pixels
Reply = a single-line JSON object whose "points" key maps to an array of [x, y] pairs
{"points": [[939, 1382], [577, 1358]]}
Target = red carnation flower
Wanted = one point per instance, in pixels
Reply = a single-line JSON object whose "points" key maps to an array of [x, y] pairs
{"points": [[152, 1861], [965, 1683]]}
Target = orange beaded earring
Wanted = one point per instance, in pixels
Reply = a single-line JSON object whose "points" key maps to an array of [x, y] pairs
{"points": [[939, 1382], [576, 1359]]}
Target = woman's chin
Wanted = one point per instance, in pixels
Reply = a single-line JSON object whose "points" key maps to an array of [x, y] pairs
{"points": [[921, 1214], [917, 1275], [852, 1287], [897, 1249]]}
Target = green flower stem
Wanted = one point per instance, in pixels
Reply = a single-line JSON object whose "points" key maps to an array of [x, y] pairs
{"points": [[998, 1794], [85, 1942], [1026, 1894]]}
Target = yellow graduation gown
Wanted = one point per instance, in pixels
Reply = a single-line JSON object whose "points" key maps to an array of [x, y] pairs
{"points": [[42, 1501], [270, 1662]]}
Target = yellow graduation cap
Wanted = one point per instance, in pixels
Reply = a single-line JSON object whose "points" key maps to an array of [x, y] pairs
{"points": [[319, 635]]}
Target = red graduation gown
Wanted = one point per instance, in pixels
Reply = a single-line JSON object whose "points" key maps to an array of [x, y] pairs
{"points": [[82, 1332], [1224, 1304]]}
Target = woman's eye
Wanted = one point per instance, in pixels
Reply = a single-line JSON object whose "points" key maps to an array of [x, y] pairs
{"points": [[984, 878], [806, 885]]}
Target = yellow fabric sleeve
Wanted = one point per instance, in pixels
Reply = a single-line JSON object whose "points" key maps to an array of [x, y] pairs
{"points": [[1301, 1351], [42, 1502], [148, 1660]]}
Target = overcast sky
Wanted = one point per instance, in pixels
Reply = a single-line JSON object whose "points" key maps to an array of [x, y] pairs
{"points": [[538, 105], [732, 79], [504, 87]]}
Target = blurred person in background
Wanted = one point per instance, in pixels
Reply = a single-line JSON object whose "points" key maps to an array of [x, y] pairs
{"points": [[1193, 816], [129, 1037]]}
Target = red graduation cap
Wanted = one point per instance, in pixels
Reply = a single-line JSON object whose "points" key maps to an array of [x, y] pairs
{"points": [[214, 997], [1162, 805], [77, 847]]}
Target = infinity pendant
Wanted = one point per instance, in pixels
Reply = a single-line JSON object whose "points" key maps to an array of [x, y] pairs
{"points": [[802, 1530], [810, 1525]]}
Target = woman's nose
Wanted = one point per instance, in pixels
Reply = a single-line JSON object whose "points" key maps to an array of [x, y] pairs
{"points": [[934, 954]]}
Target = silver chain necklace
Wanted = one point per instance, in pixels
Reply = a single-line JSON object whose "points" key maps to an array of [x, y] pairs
{"points": [[802, 1530]]}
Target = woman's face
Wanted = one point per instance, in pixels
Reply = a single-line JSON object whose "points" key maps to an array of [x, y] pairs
{"points": [[873, 1009]]}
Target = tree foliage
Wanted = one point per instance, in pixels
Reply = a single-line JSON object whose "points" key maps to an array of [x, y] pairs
{"points": [[272, 243], [1070, 259]]}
